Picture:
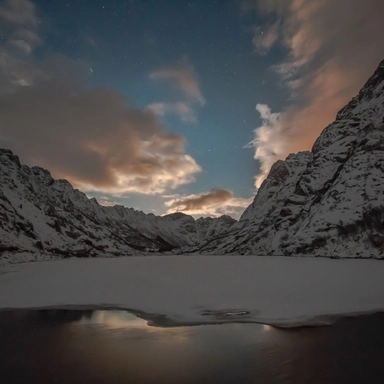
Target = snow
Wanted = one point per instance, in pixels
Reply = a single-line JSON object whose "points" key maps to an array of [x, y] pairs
{"points": [[40, 213], [195, 289], [322, 202], [326, 202]]}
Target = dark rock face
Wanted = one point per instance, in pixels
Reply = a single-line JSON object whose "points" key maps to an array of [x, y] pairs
{"points": [[41, 218], [327, 202]]}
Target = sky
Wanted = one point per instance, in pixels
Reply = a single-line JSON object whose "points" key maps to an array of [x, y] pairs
{"points": [[176, 105]]}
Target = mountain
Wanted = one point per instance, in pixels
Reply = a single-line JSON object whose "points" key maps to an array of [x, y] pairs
{"points": [[324, 202], [44, 218]]}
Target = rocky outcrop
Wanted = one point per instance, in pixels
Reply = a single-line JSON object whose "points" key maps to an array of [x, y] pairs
{"points": [[327, 202]]}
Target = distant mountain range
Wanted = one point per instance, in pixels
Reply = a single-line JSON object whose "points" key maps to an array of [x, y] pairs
{"points": [[325, 202], [50, 218]]}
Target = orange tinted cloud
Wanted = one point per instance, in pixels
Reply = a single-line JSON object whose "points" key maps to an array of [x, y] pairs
{"points": [[216, 202], [94, 139], [334, 46]]}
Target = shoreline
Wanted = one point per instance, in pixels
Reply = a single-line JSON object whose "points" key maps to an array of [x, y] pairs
{"points": [[173, 291], [163, 321]]}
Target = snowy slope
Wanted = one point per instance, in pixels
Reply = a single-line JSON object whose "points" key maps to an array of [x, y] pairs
{"points": [[327, 202], [42, 218]]}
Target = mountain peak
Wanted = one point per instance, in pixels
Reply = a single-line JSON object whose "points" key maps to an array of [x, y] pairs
{"points": [[372, 89], [376, 78], [327, 202]]}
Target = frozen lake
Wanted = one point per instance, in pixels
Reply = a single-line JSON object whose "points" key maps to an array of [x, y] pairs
{"points": [[184, 290]]}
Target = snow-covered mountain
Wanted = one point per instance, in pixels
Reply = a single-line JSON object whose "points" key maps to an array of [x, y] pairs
{"points": [[325, 202], [42, 218]]}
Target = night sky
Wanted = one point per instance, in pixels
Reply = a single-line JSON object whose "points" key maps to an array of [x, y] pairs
{"points": [[177, 105]]}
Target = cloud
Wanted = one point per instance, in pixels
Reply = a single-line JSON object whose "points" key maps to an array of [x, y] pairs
{"points": [[198, 201], [216, 202], [180, 108], [265, 38], [93, 137], [18, 12], [26, 40], [268, 142], [107, 203], [16, 66], [333, 47], [95, 140], [18, 21], [184, 78]]}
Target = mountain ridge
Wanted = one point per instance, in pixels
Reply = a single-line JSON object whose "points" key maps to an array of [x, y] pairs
{"points": [[328, 201], [51, 219], [325, 202]]}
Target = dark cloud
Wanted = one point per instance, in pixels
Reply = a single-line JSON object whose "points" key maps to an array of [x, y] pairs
{"points": [[93, 137]]}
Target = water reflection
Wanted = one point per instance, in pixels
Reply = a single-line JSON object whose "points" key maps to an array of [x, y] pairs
{"points": [[114, 319], [61, 346]]}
